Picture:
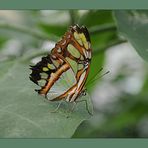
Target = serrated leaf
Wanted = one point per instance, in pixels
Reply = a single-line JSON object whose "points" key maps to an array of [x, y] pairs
{"points": [[134, 26], [24, 114]]}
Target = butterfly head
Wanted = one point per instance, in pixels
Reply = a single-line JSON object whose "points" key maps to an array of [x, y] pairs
{"points": [[83, 92]]}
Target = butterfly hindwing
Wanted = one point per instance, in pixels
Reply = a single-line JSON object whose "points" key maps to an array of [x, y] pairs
{"points": [[41, 70]]}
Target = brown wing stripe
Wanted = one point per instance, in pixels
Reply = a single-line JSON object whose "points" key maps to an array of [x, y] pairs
{"points": [[53, 78]]}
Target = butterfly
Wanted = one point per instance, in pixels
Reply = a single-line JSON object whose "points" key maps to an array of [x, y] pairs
{"points": [[65, 67]]}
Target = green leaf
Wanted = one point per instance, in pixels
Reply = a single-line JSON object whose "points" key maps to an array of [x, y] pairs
{"points": [[145, 86], [96, 17], [103, 39], [4, 67], [25, 114], [96, 65], [134, 26], [123, 123], [2, 41], [53, 29]]}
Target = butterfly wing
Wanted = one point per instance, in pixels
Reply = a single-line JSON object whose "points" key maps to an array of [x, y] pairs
{"points": [[75, 48], [70, 57]]}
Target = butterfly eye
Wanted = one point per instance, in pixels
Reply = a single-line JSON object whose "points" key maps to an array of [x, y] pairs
{"points": [[84, 93], [86, 63]]}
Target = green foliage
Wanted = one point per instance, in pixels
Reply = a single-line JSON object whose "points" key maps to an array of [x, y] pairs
{"points": [[53, 29], [94, 69], [96, 17], [23, 113], [124, 123], [134, 25]]}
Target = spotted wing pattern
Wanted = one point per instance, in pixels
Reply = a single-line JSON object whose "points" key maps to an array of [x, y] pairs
{"points": [[72, 52]]}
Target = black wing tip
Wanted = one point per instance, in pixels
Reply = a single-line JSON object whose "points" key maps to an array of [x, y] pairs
{"points": [[82, 29], [37, 90], [33, 79], [85, 31]]}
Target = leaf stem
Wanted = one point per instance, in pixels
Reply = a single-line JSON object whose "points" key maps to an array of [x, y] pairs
{"points": [[25, 30], [102, 28], [109, 45], [72, 14], [34, 55], [42, 53]]}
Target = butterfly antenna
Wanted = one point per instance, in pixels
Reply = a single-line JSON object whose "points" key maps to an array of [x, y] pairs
{"points": [[94, 76], [94, 79]]}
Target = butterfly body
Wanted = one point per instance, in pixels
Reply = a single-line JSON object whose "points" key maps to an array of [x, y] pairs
{"points": [[70, 56]]}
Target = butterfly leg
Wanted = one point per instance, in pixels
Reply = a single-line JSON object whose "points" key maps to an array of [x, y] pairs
{"points": [[57, 108], [86, 105], [72, 109]]}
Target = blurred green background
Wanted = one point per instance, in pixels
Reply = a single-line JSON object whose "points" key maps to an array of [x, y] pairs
{"points": [[119, 44]]}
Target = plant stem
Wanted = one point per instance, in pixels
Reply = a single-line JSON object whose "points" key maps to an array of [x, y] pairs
{"points": [[72, 14], [34, 55], [109, 45], [102, 28], [28, 31], [42, 53]]}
